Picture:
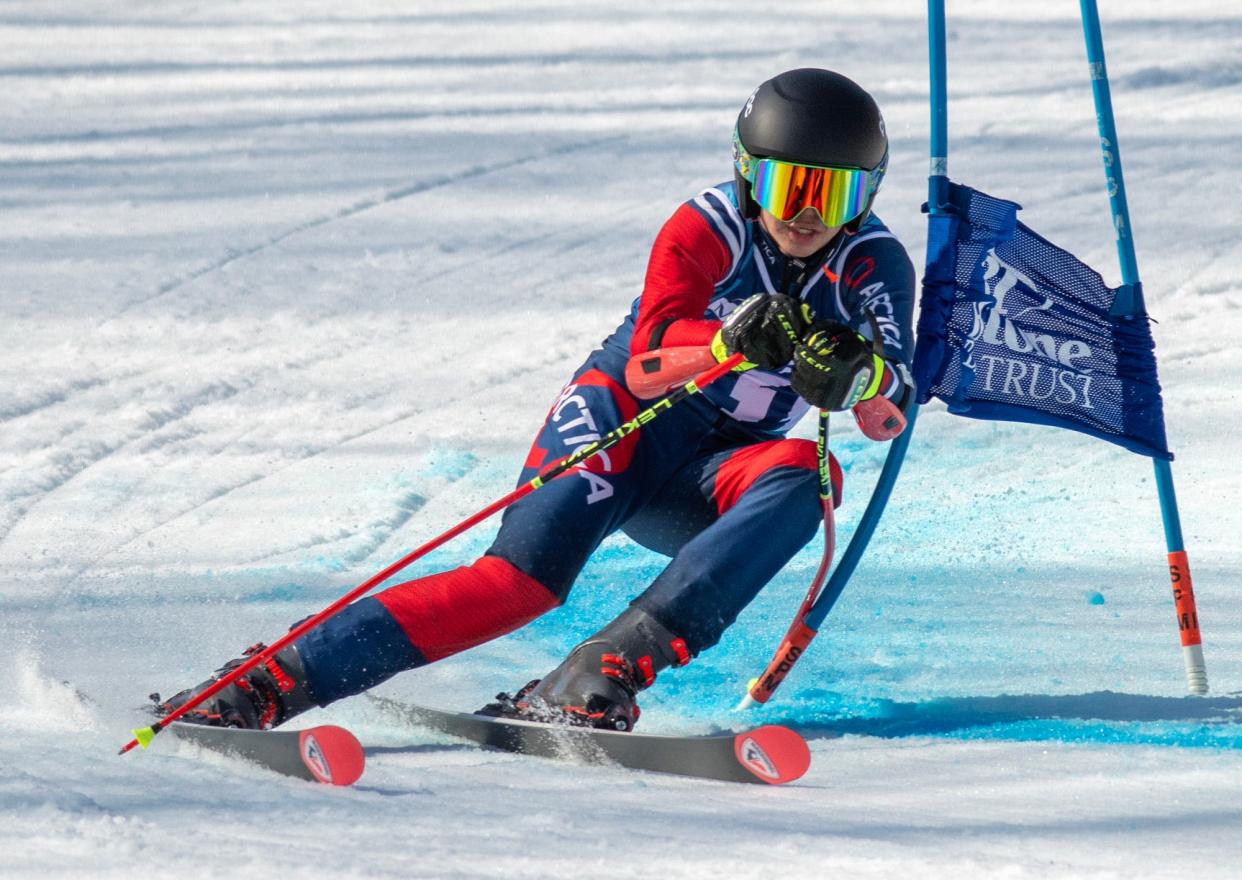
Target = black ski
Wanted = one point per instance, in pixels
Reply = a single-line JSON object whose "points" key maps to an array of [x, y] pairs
{"points": [[327, 754], [769, 754]]}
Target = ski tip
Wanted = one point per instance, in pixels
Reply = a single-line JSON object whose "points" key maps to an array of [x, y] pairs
{"points": [[332, 754], [773, 754]]}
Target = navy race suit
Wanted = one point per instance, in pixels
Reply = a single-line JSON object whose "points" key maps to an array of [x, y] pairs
{"points": [[712, 483], [867, 272]]}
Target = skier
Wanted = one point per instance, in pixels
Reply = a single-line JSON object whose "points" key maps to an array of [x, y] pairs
{"points": [[785, 264]]}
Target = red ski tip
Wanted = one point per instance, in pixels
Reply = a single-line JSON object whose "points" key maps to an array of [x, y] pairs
{"points": [[332, 754], [774, 754]]}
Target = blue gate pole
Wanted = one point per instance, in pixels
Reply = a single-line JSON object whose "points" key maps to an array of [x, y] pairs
{"points": [[1130, 304], [938, 171], [937, 195]]}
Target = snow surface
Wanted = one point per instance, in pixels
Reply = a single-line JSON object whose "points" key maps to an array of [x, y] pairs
{"points": [[287, 289]]}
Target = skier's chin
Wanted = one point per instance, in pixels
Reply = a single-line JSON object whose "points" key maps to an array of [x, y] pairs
{"points": [[798, 238]]}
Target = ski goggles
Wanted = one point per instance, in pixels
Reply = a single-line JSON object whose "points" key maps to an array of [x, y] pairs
{"points": [[786, 189]]}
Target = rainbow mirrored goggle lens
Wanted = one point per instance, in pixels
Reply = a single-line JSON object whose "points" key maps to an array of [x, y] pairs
{"points": [[785, 190]]}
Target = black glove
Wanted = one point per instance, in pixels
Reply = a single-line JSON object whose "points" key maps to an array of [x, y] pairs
{"points": [[834, 367], [764, 328]]}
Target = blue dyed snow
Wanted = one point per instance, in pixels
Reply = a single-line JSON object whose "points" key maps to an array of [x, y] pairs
{"points": [[706, 692], [448, 464], [877, 668], [1101, 718], [280, 593], [1220, 735]]}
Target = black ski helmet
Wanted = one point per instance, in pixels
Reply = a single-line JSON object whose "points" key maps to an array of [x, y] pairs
{"points": [[812, 117]]}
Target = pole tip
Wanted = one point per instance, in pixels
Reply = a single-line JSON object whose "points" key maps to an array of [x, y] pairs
{"points": [[748, 700], [1196, 671], [144, 735]]}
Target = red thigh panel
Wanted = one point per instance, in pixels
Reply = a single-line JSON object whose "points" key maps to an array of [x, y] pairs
{"points": [[572, 421], [450, 612], [740, 470]]}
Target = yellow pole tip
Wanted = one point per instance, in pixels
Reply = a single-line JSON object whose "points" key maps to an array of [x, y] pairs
{"points": [[750, 685], [144, 735]]}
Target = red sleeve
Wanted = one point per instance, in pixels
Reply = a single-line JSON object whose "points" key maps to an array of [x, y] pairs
{"points": [[687, 260]]}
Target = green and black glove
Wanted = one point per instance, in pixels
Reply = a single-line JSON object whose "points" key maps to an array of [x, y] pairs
{"points": [[835, 367], [764, 328]]}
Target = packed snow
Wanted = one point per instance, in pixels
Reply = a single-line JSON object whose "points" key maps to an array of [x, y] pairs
{"points": [[287, 290]]}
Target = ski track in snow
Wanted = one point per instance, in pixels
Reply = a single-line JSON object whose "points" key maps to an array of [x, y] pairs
{"points": [[359, 207], [288, 292]]}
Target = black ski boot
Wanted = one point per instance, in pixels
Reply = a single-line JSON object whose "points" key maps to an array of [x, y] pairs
{"points": [[597, 683], [266, 696]]}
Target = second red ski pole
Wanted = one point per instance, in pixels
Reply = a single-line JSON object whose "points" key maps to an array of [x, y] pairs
{"points": [[144, 735]]}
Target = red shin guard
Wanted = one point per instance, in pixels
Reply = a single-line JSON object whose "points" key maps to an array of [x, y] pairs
{"points": [[446, 613]]}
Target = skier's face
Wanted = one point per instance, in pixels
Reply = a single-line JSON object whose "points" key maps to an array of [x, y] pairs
{"points": [[801, 236]]}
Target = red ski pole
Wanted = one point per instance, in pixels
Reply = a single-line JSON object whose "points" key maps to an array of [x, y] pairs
{"points": [[144, 735], [798, 637]]}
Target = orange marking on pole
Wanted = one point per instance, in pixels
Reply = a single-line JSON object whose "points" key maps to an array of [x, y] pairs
{"points": [[792, 647], [1184, 598]]}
